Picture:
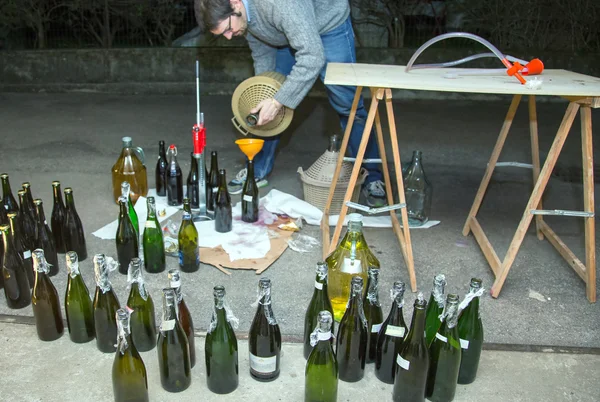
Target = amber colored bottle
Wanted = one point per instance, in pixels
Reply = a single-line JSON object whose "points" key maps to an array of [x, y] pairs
{"points": [[183, 313], [130, 168], [45, 302]]}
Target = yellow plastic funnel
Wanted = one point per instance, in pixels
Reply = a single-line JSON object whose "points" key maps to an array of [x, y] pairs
{"points": [[250, 146]]}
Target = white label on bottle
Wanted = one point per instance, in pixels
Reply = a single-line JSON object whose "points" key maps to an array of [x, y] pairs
{"points": [[167, 325], [405, 364], [215, 190], [263, 365], [351, 266], [375, 328], [394, 331], [247, 198], [175, 284], [26, 254], [150, 224], [441, 337], [324, 336], [464, 344], [318, 285]]}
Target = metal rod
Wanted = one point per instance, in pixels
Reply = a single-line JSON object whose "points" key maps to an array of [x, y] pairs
{"points": [[562, 212], [373, 211], [198, 118], [349, 159], [515, 164]]}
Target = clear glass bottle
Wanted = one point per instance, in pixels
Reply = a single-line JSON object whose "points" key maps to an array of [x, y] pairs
{"points": [[78, 305], [129, 167], [435, 307], [106, 304], [154, 246], [321, 374], [183, 313], [45, 302], [319, 302], [126, 193], [174, 178], [16, 284], [143, 322], [57, 219], [418, 191], [373, 313], [470, 331]]}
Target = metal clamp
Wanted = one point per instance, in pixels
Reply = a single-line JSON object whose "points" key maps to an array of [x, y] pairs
{"points": [[562, 212], [373, 211]]}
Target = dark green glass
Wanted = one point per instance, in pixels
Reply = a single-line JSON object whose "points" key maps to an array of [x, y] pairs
{"points": [[8, 200], [183, 313], [321, 374], [352, 336], [16, 284], [78, 305], [319, 302], [445, 354], [143, 322], [154, 246], [264, 338], [126, 193], [106, 304], [23, 249], [213, 181], [44, 238], [126, 238], [45, 302], [27, 220], [3, 216], [410, 380], [373, 312], [57, 219], [250, 196], [172, 347], [160, 176], [221, 348], [193, 182], [189, 254], [470, 331], [223, 212], [73, 233], [435, 307], [129, 378], [26, 186]]}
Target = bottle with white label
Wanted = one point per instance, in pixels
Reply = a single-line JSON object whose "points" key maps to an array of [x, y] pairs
{"points": [[319, 302], [250, 196], [373, 313], [321, 374], [391, 336], [154, 246], [435, 307], [264, 339], [412, 361], [470, 330], [22, 249], [445, 355], [352, 257]]}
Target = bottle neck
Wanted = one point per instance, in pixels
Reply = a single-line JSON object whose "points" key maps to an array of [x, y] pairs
{"points": [[22, 203], [39, 211], [214, 164], [222, 182], [472, 310], [170, 312], [187, 212], [250, 168], [70, 202], [194, 163], [151, 211], [57, 196], [162, 152], [5, 187], [7, 241], [417, 327], [15, 228], [124, 210], [372, 296]]}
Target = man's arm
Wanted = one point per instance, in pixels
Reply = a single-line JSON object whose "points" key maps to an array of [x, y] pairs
{"points": [[262, 54]]}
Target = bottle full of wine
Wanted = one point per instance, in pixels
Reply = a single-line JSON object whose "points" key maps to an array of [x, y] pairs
{"points": [[154, 246], [141, 305], [189, 253], [44, 238], [16, 284], [193, 182], [45, 302], [57, 219], [161, 170], [73, 233], [23, 249], [106, 304], [126, 238], [223, 211], [319, 302], [321, 374], [129, 167], [250, 196], [373, 312], [126, 193], [174, 179], [435, 307], [78, 305], [27, 219], [183, 313], [213, 181], [470, 331]]}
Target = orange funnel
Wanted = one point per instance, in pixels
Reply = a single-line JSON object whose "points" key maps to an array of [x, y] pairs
{"points": [[250, 146]]}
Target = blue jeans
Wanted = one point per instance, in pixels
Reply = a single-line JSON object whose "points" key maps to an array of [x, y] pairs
{"points": [[339, 47]]}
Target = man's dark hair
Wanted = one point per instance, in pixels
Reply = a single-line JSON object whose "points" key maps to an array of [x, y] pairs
{"points": [[209, 13]]}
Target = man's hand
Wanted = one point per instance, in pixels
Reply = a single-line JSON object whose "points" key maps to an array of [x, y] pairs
{"points": [[267, 110]]}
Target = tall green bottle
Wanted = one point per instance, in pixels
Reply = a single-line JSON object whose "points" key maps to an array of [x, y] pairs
{"points": [[319, 302], [410, 380], [22, 247], [45, 302], [223, 211], [126, 193], [106, 304], [221, 348], [183, 313], [351, 350], [78, 305], [16, 284], [154, 246], [143, 322], [250, 196], [445, 354], [173, 349], [57, 219], [189, 254], [44, 238], [127, 239], [264, 339], [435, 307], [73, 233], [27, 219], [373, 312], [321, 374], [129, 378], [8, 199], [470, 331], [391, 336]]}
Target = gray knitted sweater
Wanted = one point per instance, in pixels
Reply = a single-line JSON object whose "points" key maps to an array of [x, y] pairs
{"points": [[297, 23]]}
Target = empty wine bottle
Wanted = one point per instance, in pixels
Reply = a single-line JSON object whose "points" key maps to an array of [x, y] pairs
{"points": [[189, 253], [391, 336], [445, 356], [106, 304], [26, 186], [223, 212], [27, 220], [141, 305], [173, 349], [73, 233], [264, 338], [16, 284], [470, 331], [413, 359], [126, 193], [213, 181], [22, 248], [126, 238], [57, 219], [45, 302], [319, 302], [129, 378], [161, 170], [373, 312], [8, 200], [435, 307], [174, 179], [154, 246], [418, 191], [221, 349], [183, 313], [250, 196], [321, 374], [78, 305], [193, 182], [351, 350], [44, 238]]}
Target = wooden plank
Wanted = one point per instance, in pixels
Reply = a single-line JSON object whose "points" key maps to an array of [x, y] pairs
{"points": [[485, 245], [564, 251], [535, 157], [588, 201]]}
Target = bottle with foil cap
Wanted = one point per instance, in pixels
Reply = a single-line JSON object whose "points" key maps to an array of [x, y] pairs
{"points": [[321, 374], [106, 304], [183, 313], [126, 239], [130, 167], [44, 238], [73, 233], [153, 242], [45, 302], [318, 303], [373, 312], [391, 336], [22, 248], [14, 273], [129, 378], [57, 219], [141, 305], [8, 199], [470, 331], [27, 219], [189, 253], [78, 305], [435, 307], [352, 257], [126, 193]]}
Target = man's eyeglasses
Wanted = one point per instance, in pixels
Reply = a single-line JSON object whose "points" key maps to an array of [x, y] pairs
{"points": [[228, 30]]}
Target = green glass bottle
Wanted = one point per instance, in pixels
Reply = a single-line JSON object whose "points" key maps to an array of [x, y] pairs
{"points": [[173, 349], [8, 199], [126, 193], [445, 355], [143, 322], [22, 247], [250, 196], [45, 302], [27, 219], [391, 336], [435, 307], [319, 302], [189, 253], [106, 304], [73, 233], [213, 181], [129, 378], [78, 305], [44, 238], [373, 312], [221, 348], [57, 219], [126, 238], [183, 313], [16, 284], [154, 246], [351, 349], [223, 211], [470, 331], [321, 374], [264, 338], [413, 359], [26, 186]]}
